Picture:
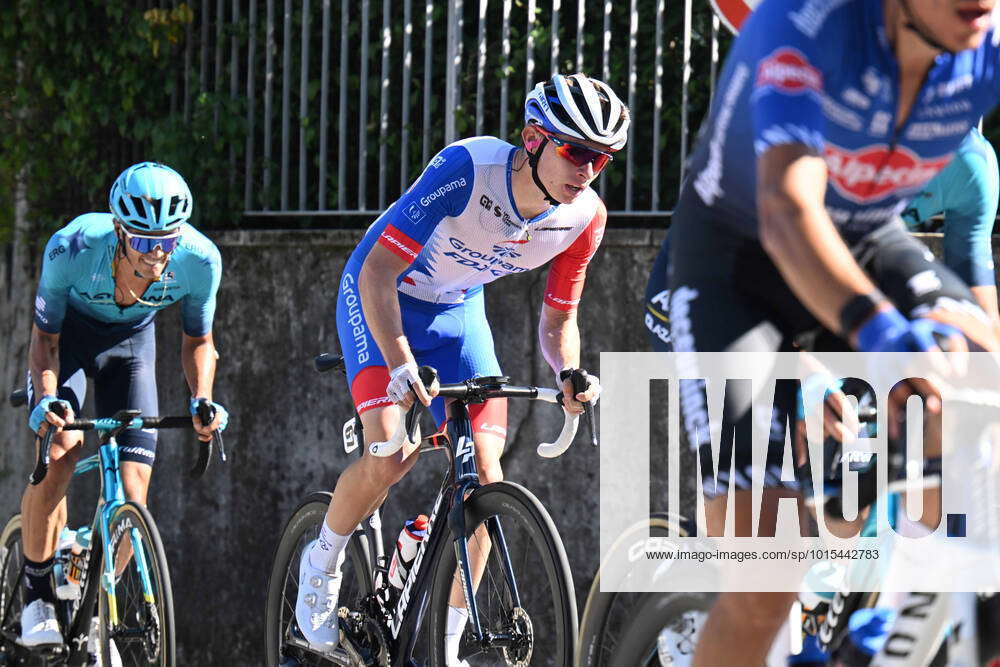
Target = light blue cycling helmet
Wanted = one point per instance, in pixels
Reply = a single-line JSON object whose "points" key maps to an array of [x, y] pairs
{"points": [[150, 196]]}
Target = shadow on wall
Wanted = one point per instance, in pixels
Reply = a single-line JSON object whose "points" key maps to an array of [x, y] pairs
{"points": [[276, 311]]}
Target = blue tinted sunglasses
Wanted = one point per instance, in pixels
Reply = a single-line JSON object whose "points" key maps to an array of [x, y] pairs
{"points": [[144, 244]]}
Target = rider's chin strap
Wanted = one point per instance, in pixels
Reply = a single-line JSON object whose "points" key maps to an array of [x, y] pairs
{"points": [[911, 25], [533, 162]]}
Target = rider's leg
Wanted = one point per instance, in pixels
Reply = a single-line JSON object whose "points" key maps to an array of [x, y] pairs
{"points": [[43, 507], [741, 627], [43, 515], [367, 479], [362, 484]]}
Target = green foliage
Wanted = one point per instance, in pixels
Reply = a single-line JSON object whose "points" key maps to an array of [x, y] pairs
{"points": [[93, 87]]}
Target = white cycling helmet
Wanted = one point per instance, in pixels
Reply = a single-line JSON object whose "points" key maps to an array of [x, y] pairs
{"points": [[580, 107]]}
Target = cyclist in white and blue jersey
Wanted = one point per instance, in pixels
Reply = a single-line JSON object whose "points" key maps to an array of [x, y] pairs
{"points": [[104, 278], [412, 293], [829, 116]]}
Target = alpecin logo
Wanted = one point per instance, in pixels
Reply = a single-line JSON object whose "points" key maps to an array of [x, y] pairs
{"points": [[873, 172], [789, 71]]}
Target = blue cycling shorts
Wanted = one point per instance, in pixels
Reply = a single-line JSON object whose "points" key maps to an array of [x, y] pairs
{"points": [[121, 360], [454, 338]]}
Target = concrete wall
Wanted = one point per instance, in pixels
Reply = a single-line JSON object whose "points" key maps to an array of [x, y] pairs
{"points": [[276, 311]]}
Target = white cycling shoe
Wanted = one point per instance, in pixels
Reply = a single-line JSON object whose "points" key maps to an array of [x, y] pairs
{"points": [[39, 626], [316, 605]]}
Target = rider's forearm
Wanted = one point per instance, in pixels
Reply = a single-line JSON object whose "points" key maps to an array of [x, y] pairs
{"points": [[986, 297], [198, 357], [380, 302], [559, 337], [43, 359]]}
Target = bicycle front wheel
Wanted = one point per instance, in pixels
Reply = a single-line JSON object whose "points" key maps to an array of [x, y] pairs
{"points": [[608, 629], [11, 588], [284, 645], [137, 618], [509, 529]]}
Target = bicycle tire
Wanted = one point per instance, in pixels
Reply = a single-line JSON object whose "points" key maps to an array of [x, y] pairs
{"points": [[302, 527], [680, 615], [12, 591], [601, 629], [158, 643], [525, 523]]}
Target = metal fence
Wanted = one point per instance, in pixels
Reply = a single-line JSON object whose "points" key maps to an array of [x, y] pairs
{"points": [[345, 102]]}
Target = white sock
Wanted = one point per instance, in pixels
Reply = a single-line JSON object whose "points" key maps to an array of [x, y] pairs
{"points": [[328, 552], [455, 626]]}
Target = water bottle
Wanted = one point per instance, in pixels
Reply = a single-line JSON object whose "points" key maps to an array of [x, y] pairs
{"points": [[76, 568], [815, 595], [413, 533], [66, 538]]}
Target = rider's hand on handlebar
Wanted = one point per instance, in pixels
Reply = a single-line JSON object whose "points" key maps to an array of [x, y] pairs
{"points": [[405, 386], [574, 403], [219, 423], [42, 415]]}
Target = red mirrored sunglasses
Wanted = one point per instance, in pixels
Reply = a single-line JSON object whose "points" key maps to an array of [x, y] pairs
{"points": [[576, 153]]}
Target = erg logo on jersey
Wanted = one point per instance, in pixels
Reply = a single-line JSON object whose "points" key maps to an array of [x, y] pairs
{"points": [[789, 71], [873, 172]]}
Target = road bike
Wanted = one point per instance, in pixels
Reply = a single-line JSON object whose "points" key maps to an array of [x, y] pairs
{"points": [[523, 610], [124, 611]]}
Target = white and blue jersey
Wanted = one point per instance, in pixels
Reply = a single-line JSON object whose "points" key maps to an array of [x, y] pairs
{"points": [[458, 228], [965, 193], [822, 73], [78, 274]]}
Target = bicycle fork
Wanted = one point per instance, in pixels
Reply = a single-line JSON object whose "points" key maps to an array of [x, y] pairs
{"points": [[468, 481], [114, 496]]}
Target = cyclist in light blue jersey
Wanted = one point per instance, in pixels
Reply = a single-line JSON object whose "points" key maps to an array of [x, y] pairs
{"points": [[965, 193], [104, 278], [963, 197]]}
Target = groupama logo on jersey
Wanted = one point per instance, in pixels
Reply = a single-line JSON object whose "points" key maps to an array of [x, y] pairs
{"points": [[870, 173], [789, 71]]}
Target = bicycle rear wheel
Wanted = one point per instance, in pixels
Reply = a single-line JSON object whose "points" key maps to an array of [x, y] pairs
{"points": [[143, 633], [283, 643], [542, 630]]}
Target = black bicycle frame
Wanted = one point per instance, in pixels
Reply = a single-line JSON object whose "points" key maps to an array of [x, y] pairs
{"points": [[464, 479]]}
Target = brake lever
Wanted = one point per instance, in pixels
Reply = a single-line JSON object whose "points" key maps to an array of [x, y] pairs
{"points": [[42, 458], [428, 375], [579, 379], [206, 413]]}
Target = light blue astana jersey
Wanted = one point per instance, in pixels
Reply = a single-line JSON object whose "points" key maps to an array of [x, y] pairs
{"points": [[77, 272], [966, 194]]}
